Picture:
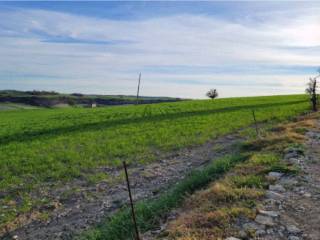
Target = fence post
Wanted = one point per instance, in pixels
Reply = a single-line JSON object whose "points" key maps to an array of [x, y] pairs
{"points": [[255, 123], [131, 202]]}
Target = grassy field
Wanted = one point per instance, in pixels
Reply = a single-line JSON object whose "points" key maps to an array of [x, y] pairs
{"points": [[56, 145]]}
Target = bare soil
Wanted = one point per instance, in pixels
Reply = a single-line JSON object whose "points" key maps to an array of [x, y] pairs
{"points": [[78, 206]]}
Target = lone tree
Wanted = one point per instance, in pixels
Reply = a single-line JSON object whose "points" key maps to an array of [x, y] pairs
{"points": [[312, 91], [212, 93]]}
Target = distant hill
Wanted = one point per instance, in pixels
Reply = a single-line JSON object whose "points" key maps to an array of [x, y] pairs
{"points": [[55, 99]]}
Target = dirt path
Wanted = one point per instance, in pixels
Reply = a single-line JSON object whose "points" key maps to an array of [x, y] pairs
{"points": [[297, 198], [88, 205]]}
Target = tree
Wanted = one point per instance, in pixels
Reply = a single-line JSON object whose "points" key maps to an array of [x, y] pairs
{"points": [[212, 93], [312, 91]]}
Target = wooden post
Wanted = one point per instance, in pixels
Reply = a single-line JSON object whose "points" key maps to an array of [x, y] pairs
{"points": [[131, 202], [255, 123], [138, 90]]}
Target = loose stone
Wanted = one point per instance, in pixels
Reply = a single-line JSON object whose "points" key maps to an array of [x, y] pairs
{"points": [[293, 229], [277, 188], [269, 213], [276, 175], [265, 220]]}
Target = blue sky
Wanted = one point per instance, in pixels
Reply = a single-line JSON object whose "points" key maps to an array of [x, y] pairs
{"points": [[182, 48]]}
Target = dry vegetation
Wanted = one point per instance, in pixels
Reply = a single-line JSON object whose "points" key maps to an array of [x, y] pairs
{"points": [[211, 213]]}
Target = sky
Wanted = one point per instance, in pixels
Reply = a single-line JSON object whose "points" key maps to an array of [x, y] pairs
{"points": [[182, 49]]}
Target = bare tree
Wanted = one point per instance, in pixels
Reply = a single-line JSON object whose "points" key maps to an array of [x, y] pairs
{"points": [[212, 93], [312, 91]]}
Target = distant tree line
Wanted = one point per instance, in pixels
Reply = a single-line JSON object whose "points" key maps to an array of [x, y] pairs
{"points": [[39, 93]]}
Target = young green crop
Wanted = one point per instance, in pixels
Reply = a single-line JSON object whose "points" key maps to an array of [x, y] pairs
{"points": [[56, 145]]}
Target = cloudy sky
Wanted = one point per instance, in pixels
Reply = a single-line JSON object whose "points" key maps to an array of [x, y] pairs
{"points": [[181, 48]]}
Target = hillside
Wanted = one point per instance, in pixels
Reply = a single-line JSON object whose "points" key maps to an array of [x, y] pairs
{"points": [[61, 168], [54, 99]]}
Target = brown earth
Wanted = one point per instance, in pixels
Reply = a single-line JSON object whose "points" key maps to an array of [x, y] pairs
{"points": [[77, 206]]}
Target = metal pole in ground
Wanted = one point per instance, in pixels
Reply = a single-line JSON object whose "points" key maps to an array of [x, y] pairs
{"points": [[255, 123], [131, 202]]}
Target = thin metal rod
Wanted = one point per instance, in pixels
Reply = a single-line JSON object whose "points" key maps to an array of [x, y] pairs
{"points": [[255, 122], [131, 202], [138, 90]]}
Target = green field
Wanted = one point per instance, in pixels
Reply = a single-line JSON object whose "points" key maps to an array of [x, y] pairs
{"points": [[56, 145]]}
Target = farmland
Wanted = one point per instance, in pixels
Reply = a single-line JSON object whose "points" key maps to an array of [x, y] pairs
{"points": [[51, 99], [53, 146]]}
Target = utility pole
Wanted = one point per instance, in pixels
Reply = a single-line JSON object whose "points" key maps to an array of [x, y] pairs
{"points": [[138, 90]]}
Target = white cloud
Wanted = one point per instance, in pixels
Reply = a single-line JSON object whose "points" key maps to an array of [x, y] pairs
{"points": [[28, 49]]}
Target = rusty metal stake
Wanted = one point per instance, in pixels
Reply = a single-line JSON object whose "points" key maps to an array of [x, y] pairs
{"points": [[255, 123], [131, 202]]}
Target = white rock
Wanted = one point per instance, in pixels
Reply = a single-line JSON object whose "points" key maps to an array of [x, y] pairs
{"points": [[291, 155], [242, 234], [274, 195], [293, 229], [265, 220], [269, 213], [260, 233], [277, 188], [308, 195], [232, 238], [289, 182], [275, 175], [270, 231], [293, 238], [253, 226]]}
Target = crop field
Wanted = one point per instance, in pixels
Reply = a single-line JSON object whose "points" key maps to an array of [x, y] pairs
{"points": [[51, 146]]}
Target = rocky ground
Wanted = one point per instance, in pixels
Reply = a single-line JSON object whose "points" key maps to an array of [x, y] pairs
{"points": [[290, 208], [292, 205], [87, 205]]}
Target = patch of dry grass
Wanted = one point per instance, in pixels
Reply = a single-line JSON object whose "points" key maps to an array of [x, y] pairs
{"points": [[210, 213]]}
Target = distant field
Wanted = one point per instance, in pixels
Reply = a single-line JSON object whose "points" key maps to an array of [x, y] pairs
{"points": [[15, 106], [52, 99], [55, 145]]}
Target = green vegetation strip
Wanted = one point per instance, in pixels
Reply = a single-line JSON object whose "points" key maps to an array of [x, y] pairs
{"points": [[43, 149], [41, 146], [149, 212]]}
